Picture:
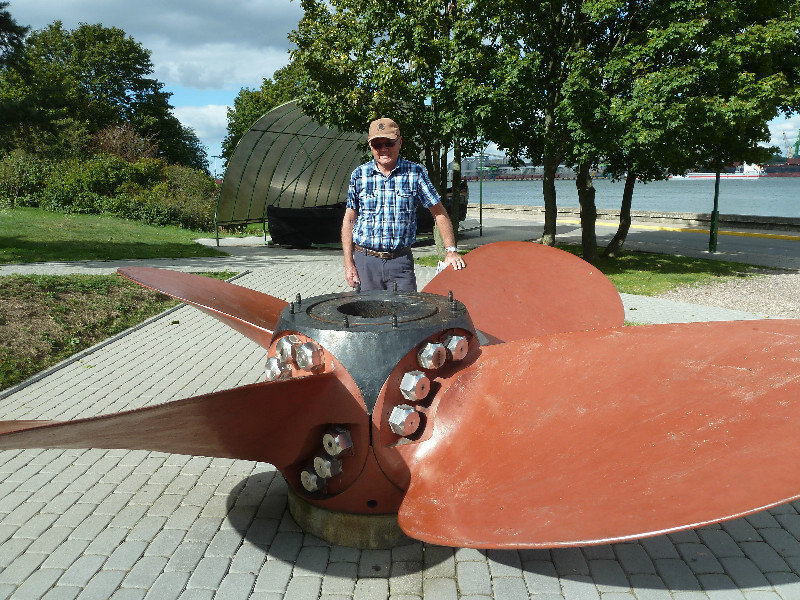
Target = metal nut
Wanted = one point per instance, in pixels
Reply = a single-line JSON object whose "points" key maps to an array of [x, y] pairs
{"points": [[337, 441], [327, 466], [277, 370], [311, 481], [415, 386], [308, 356], [432, 355], [404, 420], [457, 346], [286, 347]]}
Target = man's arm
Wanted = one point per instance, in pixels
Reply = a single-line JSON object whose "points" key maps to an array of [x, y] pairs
{"points": [[350, 273], [449, 239]]}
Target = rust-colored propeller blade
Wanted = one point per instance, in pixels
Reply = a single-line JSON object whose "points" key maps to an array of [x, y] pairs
{"points": [[251, 313], [596, 437], [275, 422], [518, 290]]}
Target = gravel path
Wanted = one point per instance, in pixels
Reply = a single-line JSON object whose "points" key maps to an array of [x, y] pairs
{"points": [[776, 295]]}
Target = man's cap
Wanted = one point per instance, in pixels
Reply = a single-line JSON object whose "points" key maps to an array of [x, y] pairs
{"points": [[383, 128]]}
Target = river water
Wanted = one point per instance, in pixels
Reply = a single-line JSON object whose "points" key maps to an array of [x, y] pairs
{"points": [[764, 196]]}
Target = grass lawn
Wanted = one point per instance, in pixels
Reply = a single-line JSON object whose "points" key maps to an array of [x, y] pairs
{"points": [[35, 235], [44, 319], [649, 274]]}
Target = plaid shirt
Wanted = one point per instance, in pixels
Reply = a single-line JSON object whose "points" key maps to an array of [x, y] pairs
{"points": [[387, 206]]}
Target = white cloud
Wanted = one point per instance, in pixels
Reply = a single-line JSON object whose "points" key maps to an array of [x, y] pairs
{"points": [[779, 127], [209, 122]]}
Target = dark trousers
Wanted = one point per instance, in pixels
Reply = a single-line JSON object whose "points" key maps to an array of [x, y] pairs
{"points": [[380, 273]]}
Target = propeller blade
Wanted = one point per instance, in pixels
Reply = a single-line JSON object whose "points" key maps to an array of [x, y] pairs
{"points": [[518, 290], [280, 422], [602, 436], [251, 313]]}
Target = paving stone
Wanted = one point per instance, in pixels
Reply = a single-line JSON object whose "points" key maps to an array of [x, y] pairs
{"points": [[248, 559], [782, 541], [63, 593], [744, 572], [570, 561], [510, 588], [579, 587], [44, 544], [236, 585], [82, 570], [145, 572], [346, 554], [790, 522], [762, 519], [760, 595], [786, 585], [719, 586], [601, 552], [473, 578], [468, 554], [633, 558], [274, 576], [124, 556], [741, 531], [103, 585], [165, 543], [504, 563], [439, 562], [608, 576], [764, 556], [340, 578], [303, 588], [66, 554], [209, 572], [374, 563], [720, 542], [699, 558], [676, 574], [439, 588], [541, 577], [659, 547], [311, 561], [413, 552], [36, 585], [286, 545]]}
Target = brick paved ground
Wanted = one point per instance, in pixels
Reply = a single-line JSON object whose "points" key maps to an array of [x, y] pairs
{"points": [[132, 524]]}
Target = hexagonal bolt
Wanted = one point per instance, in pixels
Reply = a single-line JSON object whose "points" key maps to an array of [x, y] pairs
{"points": [[311, 481], [327, 466], [457, 346], [277, 370], [432, 355], [337, 441], [415, 386], [308, 356], [285, 348], [404, 420]]}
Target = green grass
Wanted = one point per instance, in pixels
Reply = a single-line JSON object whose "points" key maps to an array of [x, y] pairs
{"points": [[44, 319], [35, 235], [650, 274]]}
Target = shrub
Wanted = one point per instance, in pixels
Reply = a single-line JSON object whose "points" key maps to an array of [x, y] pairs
{"points": [[22, 178]]}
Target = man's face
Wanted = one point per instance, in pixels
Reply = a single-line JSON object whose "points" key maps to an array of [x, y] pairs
{"points": [[386, 152]]}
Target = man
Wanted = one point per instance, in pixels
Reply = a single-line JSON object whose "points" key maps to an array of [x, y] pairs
{"points": [[380, 221]]}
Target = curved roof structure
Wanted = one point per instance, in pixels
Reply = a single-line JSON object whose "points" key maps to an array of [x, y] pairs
{"points": [[287, 160]]}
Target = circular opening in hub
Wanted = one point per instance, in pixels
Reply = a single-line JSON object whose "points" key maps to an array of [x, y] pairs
{"points": [[371, 309], [372, 503]]}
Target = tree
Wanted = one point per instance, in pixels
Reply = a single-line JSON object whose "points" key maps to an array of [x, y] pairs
{"points": [[12, 36], [250, 105], [418, 62], [93, 77]]}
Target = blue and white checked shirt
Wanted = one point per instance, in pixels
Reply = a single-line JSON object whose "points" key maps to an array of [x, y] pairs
{"points": [[387, 206]]}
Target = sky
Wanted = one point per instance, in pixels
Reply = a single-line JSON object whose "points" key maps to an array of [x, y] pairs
{"points": [[205, 51]]}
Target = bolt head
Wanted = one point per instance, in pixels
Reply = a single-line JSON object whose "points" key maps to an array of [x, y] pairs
{"points": [[327, 466], [285, 348], [457, 346], [432, 355], [310, 481], [404, 420], [308, 356], [415, 386], [277, 370], [337, 441]]}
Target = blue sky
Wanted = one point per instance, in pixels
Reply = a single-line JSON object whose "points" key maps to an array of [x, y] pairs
{"points": [[205, 51]]}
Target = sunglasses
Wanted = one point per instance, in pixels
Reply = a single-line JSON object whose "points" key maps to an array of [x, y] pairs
{"points": [[382, 145]]}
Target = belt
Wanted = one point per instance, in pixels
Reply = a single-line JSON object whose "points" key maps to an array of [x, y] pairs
{"points": [[385, 255]]}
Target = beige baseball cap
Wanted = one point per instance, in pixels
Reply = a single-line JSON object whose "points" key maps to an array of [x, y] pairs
{"points": [[383, 128]]}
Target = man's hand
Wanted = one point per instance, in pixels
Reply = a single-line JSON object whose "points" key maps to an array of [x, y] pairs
{"points": [[455, 259], [351, 275]]}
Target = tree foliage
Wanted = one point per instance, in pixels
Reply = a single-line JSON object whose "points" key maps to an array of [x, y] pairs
{"points": [[73, 83]]}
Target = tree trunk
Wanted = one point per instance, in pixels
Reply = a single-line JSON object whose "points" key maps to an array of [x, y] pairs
{"points": [[714, 229], [586, 193], [549, 193], [615, 245]]}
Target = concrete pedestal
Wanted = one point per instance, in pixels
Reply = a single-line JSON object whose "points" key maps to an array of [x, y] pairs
{"points": [[368, 532]]}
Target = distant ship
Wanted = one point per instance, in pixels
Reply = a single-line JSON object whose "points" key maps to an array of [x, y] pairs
{"points": [[744, 171], [791, 168]]}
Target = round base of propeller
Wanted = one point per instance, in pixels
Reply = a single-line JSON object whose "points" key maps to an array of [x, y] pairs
{"points": [[366, 532]]}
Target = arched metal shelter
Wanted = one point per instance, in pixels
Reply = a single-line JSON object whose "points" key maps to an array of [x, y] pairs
{"points": [[287, 161]]}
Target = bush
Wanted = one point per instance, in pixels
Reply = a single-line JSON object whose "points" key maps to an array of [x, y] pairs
{"points": [[147, 190]]}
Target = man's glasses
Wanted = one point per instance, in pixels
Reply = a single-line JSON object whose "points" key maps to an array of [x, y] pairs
{"points": [[382, 145]]}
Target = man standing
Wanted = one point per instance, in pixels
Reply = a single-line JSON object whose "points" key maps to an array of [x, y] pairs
{"points": [[380, 221]]}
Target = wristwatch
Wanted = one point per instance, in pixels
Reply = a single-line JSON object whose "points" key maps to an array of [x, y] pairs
{"points": [[451, 249]]}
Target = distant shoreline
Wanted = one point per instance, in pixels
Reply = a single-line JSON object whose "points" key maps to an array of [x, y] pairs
{"points": [[747, 222]]}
